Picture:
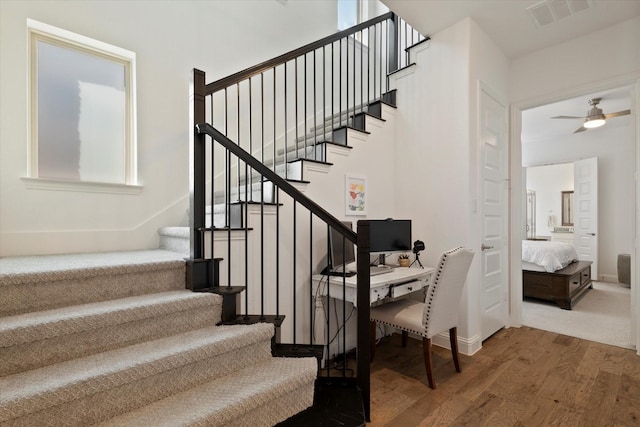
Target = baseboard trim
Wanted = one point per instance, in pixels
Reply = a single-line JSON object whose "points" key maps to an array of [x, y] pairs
{"points": [[466, 346], [610, 278]]}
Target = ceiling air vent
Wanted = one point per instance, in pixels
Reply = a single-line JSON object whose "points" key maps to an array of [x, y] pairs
{"points": [[549, 11]]}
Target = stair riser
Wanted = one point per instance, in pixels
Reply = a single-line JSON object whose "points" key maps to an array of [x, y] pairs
{"points": [[107, 284], [113, 395], [272, 412], [32, 355], [240, 399]]}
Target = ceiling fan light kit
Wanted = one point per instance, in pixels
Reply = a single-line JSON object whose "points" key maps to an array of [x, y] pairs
{"points": [[594, 118], [594, 123]]}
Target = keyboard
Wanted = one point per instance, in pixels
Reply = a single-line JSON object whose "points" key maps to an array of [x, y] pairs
{"points": [[374, 270]]}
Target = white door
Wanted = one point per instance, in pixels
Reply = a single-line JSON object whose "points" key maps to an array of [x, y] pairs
{"points": [[585, 211], [494, 205]]}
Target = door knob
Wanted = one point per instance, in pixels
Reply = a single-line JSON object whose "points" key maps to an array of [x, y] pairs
{"points": [[591, 234], [485, 247]]}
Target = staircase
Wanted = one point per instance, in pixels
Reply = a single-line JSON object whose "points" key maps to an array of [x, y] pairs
{"points": [[116, 339], [120, 339]]}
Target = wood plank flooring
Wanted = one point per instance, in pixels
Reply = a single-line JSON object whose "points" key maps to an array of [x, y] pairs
{"points": [[520, 377]]}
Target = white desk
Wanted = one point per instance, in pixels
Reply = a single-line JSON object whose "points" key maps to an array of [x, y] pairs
{"points": [[384, 287]]}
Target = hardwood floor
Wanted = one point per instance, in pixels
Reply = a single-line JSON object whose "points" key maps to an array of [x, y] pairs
{"points": [[521, 377]]}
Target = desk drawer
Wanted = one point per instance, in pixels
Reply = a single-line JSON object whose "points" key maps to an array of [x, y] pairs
{"points": [[405, 288]]}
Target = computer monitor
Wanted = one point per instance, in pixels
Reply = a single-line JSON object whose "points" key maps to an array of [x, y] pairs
{"points": [[390, 235], [340, 254]]}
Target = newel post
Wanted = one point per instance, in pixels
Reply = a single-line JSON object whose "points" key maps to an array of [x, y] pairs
{"points": [[197, 267], [363, 300]]}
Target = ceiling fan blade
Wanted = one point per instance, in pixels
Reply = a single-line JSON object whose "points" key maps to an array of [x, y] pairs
{"points": [[580, 129], [619, 113], [568, 117]]}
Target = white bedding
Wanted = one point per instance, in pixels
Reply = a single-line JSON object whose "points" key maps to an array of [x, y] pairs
{"points": [[551, 256]]}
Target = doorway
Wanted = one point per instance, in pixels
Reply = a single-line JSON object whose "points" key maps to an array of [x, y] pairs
{"points": [[539, 153]]}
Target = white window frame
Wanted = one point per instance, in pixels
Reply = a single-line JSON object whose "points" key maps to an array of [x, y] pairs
{"points": [[38, 31]]}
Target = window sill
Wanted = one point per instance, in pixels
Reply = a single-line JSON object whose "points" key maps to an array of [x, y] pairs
{"points": [[81, 186]]}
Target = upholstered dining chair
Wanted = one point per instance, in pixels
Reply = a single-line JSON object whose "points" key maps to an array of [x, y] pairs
{"points": [[437, 314]]}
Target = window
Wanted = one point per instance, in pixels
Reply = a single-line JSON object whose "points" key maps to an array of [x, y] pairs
{"points": [[348, 15], [82, 108]]}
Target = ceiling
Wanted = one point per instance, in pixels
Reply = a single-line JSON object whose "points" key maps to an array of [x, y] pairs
{"points": [[537, 124], [508, 23], [513, 29]]}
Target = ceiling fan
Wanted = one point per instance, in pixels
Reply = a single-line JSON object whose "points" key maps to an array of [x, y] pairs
{"points": [[594, 118]]}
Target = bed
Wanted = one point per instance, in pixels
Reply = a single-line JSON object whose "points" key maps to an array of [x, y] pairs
{"points": [[551, 271]]}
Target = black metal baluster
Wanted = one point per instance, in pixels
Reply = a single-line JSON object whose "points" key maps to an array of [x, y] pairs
{"points": [[227, 192], [315, 110], [324, 98], [354, 78], [375, 60], [332, 85], [340, 82], [327, 312], [296, 104], [249, 197], [295, 322], [310, 276], [276, 191], [212, 198], [274, 119], [304, 98], [238, 140], [346, 39], [286, 128], [262, 198], [245, 223], [369, 66], [361, 70]]}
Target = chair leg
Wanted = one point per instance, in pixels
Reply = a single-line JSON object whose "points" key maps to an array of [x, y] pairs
{"points": [[453, 338], [428, 364], [405, 338], [372, 340]]}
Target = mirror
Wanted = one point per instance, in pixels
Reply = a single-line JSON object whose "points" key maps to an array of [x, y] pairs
{"points": [[567, 208]]}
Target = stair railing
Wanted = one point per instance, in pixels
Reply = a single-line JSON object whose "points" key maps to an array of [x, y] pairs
{"points": [[280, 109], [260, 122], [202, 268]]}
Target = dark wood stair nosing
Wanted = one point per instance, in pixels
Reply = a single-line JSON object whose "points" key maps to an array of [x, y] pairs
{"points": [[252, 319], [222, 290], [426, 39], [406, 67], [302, 159]]}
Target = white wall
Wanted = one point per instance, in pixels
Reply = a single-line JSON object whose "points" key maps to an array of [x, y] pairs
{"points": [[437, 141], [170, 38], [549, 74]]}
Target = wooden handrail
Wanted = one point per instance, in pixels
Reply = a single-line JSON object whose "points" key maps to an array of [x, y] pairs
{"points": [[283, 184]]}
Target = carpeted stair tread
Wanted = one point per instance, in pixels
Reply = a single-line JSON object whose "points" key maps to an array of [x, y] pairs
{"points": [[30, 284], [259, 395], [65, 385], [44, 267], [33, 340], [63, 321]]}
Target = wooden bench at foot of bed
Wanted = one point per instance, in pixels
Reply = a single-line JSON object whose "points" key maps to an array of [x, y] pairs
{"points": [[563, 287]]}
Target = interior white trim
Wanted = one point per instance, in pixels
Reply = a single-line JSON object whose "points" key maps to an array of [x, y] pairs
{"points": [[82, 186], [467, 346]]}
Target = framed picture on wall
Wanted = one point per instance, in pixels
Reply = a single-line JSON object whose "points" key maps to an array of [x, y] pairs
{"points": [[356, 195]]}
